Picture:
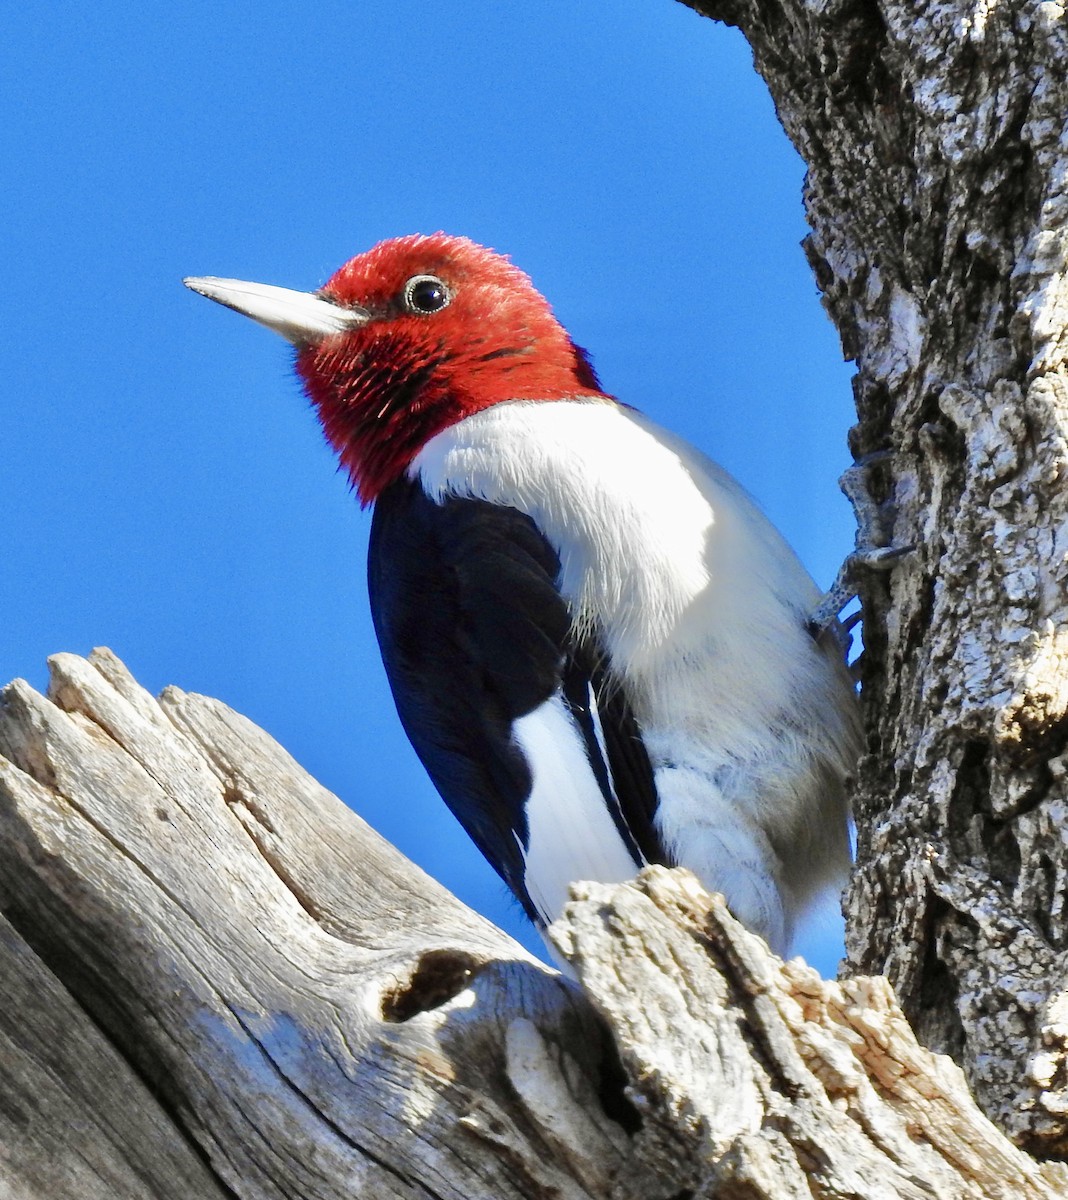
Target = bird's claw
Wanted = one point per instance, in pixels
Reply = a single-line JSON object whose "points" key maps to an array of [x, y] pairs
{"points": [[873, 518], [844, 588]]}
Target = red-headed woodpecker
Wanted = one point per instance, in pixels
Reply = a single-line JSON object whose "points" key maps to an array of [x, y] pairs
{"points": [[597, 644]]}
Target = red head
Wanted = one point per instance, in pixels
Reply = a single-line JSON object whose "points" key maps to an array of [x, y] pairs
{"points": [[412, 336]]}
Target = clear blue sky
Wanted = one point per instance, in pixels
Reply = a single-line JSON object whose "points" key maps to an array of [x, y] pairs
{"points": [[167, 491]]}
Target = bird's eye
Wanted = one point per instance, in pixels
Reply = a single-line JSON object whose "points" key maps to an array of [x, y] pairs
{"points": [[425, 294]]}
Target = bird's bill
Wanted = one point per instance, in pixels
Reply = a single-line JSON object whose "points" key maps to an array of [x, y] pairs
{"points": [[303, 318]]}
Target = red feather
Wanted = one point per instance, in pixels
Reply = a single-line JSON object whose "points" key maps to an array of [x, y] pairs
{"points": [[384, 389]]}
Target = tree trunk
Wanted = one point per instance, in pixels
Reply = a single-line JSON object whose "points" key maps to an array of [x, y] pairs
{"points": [[937, 192], [217, 981]]}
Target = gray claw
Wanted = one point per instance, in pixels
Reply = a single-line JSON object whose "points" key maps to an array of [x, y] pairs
{"points": [[873, 522]]}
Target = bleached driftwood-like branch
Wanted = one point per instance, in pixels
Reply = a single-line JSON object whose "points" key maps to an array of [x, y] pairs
{"points": [[216, 980], [307, 1011]]}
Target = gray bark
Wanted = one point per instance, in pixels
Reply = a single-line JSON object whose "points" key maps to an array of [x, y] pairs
{"points": [[218, 981], [937, 191], [75, 1118]]}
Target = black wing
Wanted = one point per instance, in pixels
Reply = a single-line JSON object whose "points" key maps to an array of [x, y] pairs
{"points": [[474, 635]]}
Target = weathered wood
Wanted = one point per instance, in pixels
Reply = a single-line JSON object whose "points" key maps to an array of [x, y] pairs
{"points": [[936, 142], [314, 1013], [766, 1080], [75, 1119], [224, 983]]}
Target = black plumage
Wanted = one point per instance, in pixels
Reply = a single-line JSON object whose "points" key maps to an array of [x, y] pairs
{"points": [[474, 635]]}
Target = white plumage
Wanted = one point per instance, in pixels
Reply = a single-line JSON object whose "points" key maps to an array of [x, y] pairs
{"points": [[749, 724], [570, 832]]}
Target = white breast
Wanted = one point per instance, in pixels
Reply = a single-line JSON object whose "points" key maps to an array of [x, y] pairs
{"points": [[630, 523], [700, 604]]}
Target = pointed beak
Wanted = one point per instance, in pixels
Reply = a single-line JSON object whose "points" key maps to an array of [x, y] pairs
{"points": [[303, 318]]}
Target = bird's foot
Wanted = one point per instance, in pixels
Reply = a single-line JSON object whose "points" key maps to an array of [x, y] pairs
{"points": [[874, 519], [844, 588]]}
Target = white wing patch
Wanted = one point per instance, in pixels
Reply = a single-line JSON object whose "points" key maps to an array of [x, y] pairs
{"points": [[570, 832]]}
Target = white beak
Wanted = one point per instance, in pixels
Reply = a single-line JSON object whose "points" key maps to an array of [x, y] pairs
{"points": [[303, 318]]}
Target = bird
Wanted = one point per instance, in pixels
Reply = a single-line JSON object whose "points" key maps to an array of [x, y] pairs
{"points": [[598, 645]]}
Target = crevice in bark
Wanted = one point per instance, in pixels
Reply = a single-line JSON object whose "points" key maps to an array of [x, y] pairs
{"points": [[1045, 872], [612, 1090], [971, 790], [1002, 851], [937, 1021]]}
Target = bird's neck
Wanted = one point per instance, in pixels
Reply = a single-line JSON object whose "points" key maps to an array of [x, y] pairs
{"points": [[381, 400]]}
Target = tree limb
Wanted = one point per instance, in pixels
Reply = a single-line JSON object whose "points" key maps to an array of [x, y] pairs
{"points": [[315, 1015]]}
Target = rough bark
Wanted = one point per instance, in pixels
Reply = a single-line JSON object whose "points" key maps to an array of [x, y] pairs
{"points": [[937, 191], [218, 981]]}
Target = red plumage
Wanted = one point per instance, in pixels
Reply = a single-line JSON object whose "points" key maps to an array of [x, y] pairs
{"points": [[384, 389]]}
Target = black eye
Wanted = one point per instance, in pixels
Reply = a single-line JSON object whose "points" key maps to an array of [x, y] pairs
{"points": [[425, 294]]}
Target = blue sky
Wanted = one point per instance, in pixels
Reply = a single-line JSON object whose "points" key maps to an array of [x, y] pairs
{"points": [[168, 492]]}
